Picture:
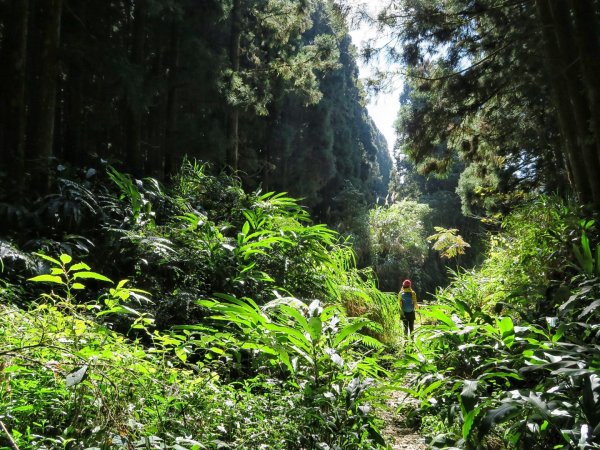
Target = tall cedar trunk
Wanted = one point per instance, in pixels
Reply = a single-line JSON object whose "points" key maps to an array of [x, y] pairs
{"points": [[559, 165], [14, 62], [43, 96], [135, 157], [74, 151], [171, 113], [158, 113], [267, 167], [74, 123], [587, 35], [234, 114], [571, 68], [561, 103]]}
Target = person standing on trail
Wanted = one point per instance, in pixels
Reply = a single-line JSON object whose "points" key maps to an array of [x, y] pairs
{"points": [[408, 305]]}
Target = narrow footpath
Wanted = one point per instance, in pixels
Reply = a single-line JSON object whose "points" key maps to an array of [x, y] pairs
{"points": [[395, 431]]}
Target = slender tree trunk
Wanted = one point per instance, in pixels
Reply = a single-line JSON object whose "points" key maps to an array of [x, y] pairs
{"points": [[560, 166], [43, 104], [74, 123], [135, 156], [14, 62], [571, 67], [561, 103], [74, 150], [587, 35], [234, 114], [157, 115], [171, 113]]}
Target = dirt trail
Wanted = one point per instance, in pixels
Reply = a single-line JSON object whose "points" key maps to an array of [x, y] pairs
{"points": [[396, 432]]}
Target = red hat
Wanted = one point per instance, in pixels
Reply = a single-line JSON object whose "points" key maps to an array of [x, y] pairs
{"points": [[406, 284]]}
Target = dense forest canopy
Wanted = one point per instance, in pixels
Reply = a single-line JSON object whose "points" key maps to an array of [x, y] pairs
{"points": [[267, 87], [510, 86], [166, 278]]}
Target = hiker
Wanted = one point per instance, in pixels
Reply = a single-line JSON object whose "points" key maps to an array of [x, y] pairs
{"points": [[408, 305]]}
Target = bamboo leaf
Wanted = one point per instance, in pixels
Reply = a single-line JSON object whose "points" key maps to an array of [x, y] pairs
{"points": [[289, 334], [423, 393], [437, 314], [294, 313]]}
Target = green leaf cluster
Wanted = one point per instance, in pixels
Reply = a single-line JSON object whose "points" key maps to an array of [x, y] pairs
{"points": [[525, 377], [320, 351], [398, 238], [67, 379]]}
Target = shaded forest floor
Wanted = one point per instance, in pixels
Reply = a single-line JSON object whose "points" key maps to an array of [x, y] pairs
{"points": [[397, 432]]}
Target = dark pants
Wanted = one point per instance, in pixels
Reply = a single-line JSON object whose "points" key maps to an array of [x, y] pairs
{"points": [[409, 322]]}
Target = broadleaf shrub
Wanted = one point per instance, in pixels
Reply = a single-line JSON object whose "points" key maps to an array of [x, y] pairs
{"points": [[195, 236], [526, 378], [67, 380]]}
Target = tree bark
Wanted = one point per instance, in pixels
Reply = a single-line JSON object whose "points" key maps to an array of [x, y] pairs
{"points": [[74, 150], [561, 103], [14, 62], [135, 157], [587, 36], [171, 113], [157, 114], [234, 114], [74, 126], [42, 109], [571, 68]]}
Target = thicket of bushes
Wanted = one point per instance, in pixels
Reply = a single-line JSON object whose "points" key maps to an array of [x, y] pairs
{"points": [[510, 356], [245, 325], [198, 235], [235, 335]]}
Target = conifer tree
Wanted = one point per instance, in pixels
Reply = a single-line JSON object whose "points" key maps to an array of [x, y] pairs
{"points": [[511, 86]]}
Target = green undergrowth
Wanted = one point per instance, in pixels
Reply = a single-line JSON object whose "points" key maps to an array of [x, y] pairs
{"points": [[190, 238], [509, 356], [79, 385], [285, 375], [242, 323]]}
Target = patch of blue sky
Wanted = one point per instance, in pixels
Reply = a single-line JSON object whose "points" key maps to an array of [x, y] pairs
{"points": [[383, 104]]}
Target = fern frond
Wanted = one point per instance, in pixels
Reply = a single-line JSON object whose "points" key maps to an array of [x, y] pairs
{"points": [[370, 341]]}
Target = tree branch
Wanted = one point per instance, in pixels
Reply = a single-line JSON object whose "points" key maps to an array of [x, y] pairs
{"points": [[11, 441], [464, 12], [16, 349], [453, 74]]}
